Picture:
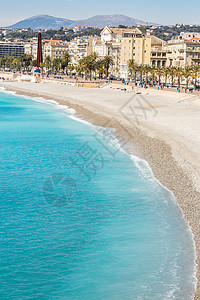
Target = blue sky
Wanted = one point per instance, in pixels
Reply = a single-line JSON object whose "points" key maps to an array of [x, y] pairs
{"points": [[163, 12]]}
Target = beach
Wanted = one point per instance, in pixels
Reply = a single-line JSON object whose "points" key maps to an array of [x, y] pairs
{"points": [[158, 126]]}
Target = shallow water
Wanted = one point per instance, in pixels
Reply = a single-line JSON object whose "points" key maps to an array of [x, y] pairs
{"points": [[81, 219]]}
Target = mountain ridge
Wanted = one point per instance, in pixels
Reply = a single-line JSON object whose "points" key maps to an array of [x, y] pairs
{"points": [[50, 22]]}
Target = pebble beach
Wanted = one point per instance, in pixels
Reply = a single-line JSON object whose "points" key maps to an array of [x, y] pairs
{"points": [[159, 126]]}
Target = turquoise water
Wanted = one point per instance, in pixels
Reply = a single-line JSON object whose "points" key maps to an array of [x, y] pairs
{"points": [[80, 220]]}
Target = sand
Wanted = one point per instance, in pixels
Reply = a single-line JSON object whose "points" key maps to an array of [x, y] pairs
{"points": [[159, 126]]}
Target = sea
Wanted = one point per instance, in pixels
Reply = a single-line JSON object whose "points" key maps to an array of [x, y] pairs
{"points": [[81, 219]]}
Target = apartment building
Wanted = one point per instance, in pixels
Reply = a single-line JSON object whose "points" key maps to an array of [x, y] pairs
{"points": [[31, 48], [143, 49], [158, 56], [12, 49], [188, 35], [78, 49], [182, 53], [52, 48]]}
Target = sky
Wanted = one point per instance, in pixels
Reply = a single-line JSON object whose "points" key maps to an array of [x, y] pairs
{"points": [[161, 12]]}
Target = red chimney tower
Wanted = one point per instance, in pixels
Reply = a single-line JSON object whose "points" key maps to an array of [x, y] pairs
{"points": [[39, 51]]}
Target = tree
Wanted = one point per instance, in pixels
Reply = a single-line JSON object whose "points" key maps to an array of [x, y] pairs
{"points": [[159, 73], [187, 73], [146, 70], [66, 60], [152, 71], [133, 68], [179, 74], [88, 64], [108, 62], [57, 64], [140, 70], [100, 66], [48, 62], [195, 72], [172, 73], [166, 72]]}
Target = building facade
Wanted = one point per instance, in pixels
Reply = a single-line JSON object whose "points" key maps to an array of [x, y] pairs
{"points": [[54, 48], [12, 49], [78, 49], [182, 53], [143, 49], [51, 48]]}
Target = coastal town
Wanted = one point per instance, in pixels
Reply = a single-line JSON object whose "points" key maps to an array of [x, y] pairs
{"points": [[100, 165], [119, 53]]}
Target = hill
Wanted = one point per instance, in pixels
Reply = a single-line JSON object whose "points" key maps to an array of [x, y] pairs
{"points": [[42, 22], [49, 22], [109, 20]]}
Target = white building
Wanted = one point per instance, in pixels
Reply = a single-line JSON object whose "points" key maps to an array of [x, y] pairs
{"points": [[78, 49], [189, 35], [183, 52], [52, 48]]}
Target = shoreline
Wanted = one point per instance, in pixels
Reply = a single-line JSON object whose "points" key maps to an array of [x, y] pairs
{"points": [[154, 150]]}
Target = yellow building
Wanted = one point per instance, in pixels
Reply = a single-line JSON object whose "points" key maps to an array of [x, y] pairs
{"points": [[139, 48]]}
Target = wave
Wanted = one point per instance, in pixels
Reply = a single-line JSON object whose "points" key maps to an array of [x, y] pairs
{"points": [[141, 164]]}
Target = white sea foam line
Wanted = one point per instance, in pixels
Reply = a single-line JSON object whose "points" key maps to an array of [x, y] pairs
{"points": [[146, 172], [3, 90], [144, 168]]}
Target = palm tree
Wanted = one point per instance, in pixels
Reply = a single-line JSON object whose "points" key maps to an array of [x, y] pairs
{"points": [[108, 62], [83, 66], [166, 73], [152, 71], [66, 60], [141, 71], [71, 68], [195, 72], [146, 70], [172, 73], [159, 73], [100, 66], [187, 73], [56, 64], [179, 74], [88, 63], [47, 62], [133, 68]]}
